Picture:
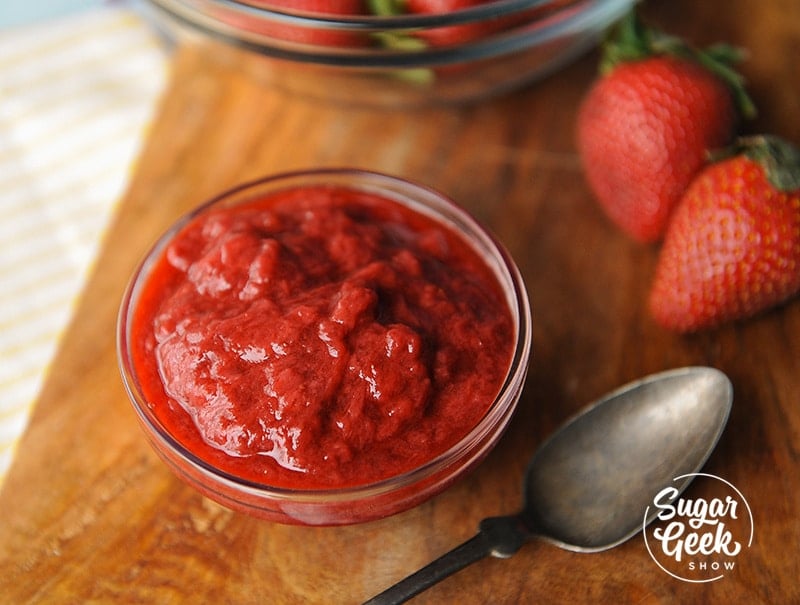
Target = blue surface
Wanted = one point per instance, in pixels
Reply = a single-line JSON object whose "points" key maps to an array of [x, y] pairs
{"points": [[22, 12]]}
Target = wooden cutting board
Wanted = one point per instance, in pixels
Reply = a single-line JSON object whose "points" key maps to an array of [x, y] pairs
{"points": [[89, 515]]}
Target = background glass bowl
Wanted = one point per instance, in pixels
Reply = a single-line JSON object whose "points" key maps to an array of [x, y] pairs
{"points": [[397, 60], [369, 501]]}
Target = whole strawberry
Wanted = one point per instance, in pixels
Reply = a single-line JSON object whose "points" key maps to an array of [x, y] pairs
{"points": [[645, 126], [732, 248]]}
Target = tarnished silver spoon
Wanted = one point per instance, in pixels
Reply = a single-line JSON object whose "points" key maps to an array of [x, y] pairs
{"points": [[588, 485]]}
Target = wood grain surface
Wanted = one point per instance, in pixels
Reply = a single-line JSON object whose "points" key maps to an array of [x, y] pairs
{"points": [[88, 514]]}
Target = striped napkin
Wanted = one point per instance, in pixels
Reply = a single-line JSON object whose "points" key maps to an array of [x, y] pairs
{"points": [[76, 95]]}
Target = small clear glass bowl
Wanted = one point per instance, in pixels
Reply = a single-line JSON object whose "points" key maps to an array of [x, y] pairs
{"points": [[364, 502], [397, 60]]}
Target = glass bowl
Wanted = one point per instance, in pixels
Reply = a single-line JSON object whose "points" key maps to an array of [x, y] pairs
{"points": [[396, 59], [354, 503]]}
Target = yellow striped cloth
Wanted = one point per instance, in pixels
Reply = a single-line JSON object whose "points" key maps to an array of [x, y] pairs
{"points": [[76, 95]]}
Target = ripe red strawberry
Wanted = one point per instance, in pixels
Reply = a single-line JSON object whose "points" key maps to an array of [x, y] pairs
{"points": [[475, 30], [645, 126], [456, 34], [311, 35], [732, 248]]}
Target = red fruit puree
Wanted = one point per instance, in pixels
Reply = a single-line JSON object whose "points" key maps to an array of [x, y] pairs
{"points": [[320, 337]]}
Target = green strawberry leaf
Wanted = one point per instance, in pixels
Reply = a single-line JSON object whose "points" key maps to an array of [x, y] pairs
{"points": [[386, 8], [720, 59], [406, 42], [627, 41], [779, 157], [402, 41]]}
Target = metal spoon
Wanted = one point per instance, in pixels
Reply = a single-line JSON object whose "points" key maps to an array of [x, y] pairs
{"points": [[589, 484]]}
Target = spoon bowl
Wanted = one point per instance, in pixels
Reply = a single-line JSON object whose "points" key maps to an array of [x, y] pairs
{"points": [[588, 485]]}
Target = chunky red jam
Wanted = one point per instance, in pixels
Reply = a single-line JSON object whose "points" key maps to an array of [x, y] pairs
{"points": [[320, 337]]}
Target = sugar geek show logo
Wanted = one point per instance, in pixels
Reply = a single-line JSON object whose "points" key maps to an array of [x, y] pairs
{"points": [[698, 540]]}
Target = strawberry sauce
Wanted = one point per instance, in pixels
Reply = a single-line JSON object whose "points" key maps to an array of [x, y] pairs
{"points": [[319, 337]]}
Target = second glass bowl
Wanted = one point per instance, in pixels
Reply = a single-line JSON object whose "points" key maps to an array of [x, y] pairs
{"points": [[397, 60]]}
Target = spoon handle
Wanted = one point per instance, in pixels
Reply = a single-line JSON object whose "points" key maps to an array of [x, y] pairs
{"points": [[497, 536]]}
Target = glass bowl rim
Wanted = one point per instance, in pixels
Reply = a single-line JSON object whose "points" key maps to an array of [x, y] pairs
{"points": [[538, 32], [470, 14]]}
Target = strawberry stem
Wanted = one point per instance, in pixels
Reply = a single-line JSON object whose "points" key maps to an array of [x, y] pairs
{"points": [[632, 40], [628, 41]]}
